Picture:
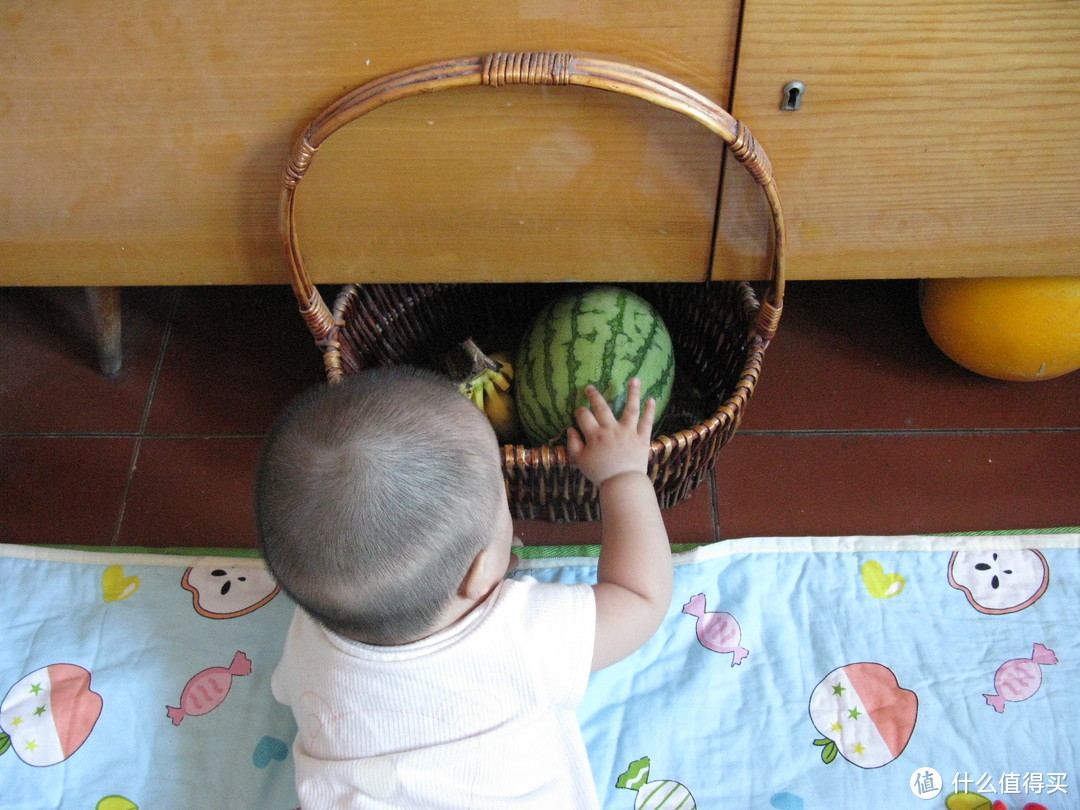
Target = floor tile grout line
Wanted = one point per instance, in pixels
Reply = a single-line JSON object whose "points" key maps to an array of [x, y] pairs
{"points": [[155, 377], [802, 433], [714, 495], [798, 433], [145, 417], [128, 434], [794, 434]]}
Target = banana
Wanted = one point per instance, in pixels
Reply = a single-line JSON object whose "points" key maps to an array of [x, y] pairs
{"points": [[489, 386], [499, 401]]}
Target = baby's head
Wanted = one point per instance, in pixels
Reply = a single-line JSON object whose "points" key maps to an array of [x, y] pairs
{"points": [[374, 496]]}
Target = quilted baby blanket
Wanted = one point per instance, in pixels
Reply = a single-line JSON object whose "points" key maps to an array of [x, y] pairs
{"points": [[790, 673]]}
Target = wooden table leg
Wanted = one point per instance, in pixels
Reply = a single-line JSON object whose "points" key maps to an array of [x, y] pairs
{"points": [[105, 310]]}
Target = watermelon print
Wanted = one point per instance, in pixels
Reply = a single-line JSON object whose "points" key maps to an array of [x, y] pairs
{"points": [[604, 336]]}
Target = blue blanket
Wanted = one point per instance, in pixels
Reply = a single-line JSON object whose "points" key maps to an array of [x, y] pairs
{"points": [[790, 673]]}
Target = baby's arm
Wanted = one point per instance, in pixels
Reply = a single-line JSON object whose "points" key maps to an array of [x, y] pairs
{"points": [[634, 580]]}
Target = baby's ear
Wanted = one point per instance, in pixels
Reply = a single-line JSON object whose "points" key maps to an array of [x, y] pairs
{"points": [[476, 583]]}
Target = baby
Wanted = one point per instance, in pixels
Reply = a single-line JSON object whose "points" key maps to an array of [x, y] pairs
{"points": [[419, 675]]}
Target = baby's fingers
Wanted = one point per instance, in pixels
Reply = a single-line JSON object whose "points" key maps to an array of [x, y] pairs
{"points": [[633, 402], [586, 425], [645, 424], [574, 443], [600, 410]]}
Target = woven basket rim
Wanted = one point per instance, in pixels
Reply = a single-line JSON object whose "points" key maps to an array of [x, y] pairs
{"points": [[531, 68], [672, 457], [726, 412]]}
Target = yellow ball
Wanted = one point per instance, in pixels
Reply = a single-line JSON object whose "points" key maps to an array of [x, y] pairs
{"points": [[1008, 328]]}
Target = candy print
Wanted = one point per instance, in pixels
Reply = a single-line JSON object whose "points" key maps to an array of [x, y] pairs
{"points": [[662, 794], [47, 715], [1020, 678], [207, 689], [719, 632], [863, 714], [997, 582]]}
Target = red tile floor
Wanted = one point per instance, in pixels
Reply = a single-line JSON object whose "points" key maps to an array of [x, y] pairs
{"points": [[858, 425]]}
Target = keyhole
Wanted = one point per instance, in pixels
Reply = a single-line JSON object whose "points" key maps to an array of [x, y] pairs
{"points": [[793, 93]]}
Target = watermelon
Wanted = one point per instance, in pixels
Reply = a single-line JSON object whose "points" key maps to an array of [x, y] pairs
{"points": [[602, 335]]}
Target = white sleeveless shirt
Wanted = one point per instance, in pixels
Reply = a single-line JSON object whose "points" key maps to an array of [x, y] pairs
{"points": [[480, 715]]}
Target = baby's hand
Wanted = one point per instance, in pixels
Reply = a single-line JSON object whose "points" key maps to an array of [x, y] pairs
{"points": [[603, 446]]}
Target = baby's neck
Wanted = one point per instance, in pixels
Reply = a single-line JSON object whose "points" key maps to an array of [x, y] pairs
{"points": [[458, 609]]}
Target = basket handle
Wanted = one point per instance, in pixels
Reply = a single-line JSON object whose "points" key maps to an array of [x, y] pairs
{"points": [[547, 68]]}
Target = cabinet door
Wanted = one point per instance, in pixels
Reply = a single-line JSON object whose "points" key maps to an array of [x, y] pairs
{"points": [[933, 138], [143, 143]]}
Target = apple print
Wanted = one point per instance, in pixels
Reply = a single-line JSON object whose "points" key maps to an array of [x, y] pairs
{"points": [[225, 593], [996, 582], [47, 715], [863, 714]]}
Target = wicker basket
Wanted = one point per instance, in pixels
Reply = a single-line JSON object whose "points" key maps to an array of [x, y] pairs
{"points": [[719, 329]]}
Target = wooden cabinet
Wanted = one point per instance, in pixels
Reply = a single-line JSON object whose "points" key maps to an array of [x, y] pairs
{"points": [[144, 145], [933, 139]]}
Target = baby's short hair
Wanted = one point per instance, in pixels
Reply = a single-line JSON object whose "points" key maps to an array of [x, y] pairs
{"points": [[373, 496]]}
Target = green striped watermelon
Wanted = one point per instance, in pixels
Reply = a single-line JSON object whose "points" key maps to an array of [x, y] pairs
{"points": [[603, 335]]}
